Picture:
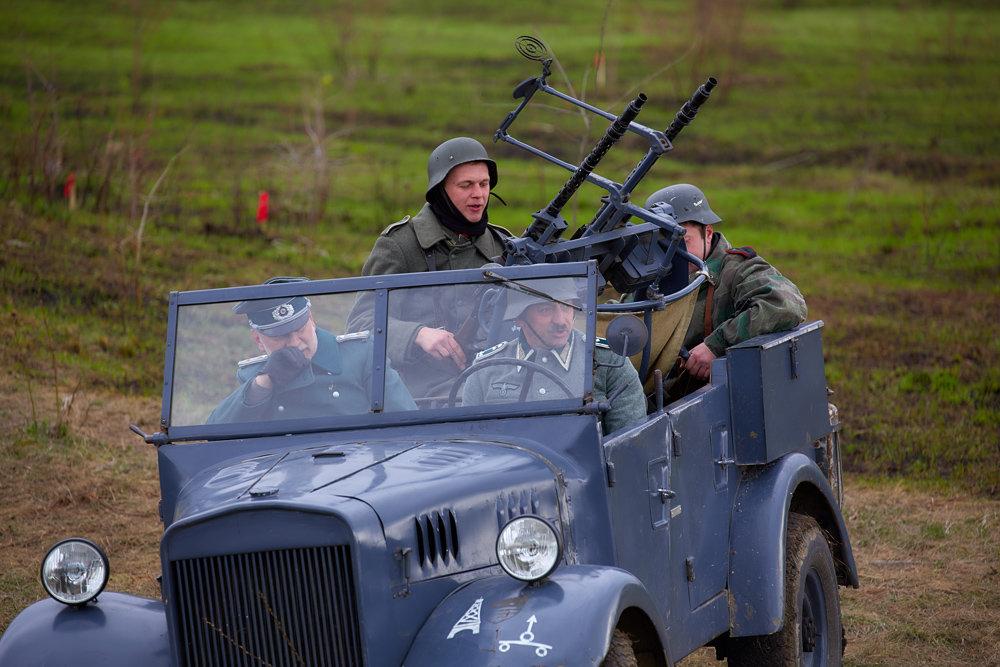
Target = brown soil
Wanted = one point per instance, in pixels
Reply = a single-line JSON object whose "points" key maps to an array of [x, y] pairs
{"points": [[929, 565]]}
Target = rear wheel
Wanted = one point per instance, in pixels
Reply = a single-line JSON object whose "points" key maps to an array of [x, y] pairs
{"points": [[812, 634], [620, 653]]}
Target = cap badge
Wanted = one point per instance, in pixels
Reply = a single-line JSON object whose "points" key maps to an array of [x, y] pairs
{"points": [[283, 312]]}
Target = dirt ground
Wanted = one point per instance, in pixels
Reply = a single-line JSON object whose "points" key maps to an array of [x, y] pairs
{"points": [[929, 564]]}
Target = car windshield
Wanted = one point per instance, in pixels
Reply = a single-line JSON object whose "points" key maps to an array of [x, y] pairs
{"points": [[289, 352]]}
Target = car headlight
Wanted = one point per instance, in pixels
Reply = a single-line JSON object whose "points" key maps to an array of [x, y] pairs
{"points": [[74, 571], [528, 548]]}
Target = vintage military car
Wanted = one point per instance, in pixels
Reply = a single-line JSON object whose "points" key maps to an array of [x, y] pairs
{"points": [[351, 523], [448, 533]]}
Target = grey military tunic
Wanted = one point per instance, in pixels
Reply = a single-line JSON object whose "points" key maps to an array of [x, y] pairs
{"points": [[403, 248], [505, 383], [337, 382]]}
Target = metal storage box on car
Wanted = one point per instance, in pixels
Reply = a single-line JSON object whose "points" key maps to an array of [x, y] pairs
{"points": [[777, 386]]}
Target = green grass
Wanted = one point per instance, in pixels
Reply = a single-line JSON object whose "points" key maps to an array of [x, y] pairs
{"points": [[854, 145]]}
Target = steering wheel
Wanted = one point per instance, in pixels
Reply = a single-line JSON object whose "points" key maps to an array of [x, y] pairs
{"points": [[532, 367]]}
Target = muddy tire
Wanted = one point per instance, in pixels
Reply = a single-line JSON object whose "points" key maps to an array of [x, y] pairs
{"points": [[812, 633], [620, 653]]}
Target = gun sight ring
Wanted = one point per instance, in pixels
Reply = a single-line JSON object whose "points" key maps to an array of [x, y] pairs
{"points": [[531, 48]]}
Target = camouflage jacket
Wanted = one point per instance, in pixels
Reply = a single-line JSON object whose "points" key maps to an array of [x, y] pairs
{"points": [[751, 298]]}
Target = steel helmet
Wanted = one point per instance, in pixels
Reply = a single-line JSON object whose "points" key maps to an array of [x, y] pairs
{"points": [[454, 152], [561, 289], [690, 204]]}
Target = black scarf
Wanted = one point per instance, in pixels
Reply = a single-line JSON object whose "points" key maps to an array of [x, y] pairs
{"points": [[449, 216]]}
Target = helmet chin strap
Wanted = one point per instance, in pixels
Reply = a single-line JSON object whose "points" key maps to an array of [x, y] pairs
{"points": [[524, 325]]}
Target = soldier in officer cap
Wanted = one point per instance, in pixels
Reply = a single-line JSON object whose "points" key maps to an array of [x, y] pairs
{"points": [[547, 337], [451, 231], [304, 371], [744, 295]]}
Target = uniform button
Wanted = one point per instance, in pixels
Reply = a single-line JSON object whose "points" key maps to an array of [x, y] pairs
{"points": [[336, 394], [281, 408], [544, 359], [542, 390]]}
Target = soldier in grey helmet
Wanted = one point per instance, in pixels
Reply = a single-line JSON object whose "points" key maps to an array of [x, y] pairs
{"points": [[547, 337], [451, 231], [744, 295]]}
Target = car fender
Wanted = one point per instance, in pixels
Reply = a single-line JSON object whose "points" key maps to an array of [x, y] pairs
{"points": [[566, 619], [757, 538], [118, 630]]}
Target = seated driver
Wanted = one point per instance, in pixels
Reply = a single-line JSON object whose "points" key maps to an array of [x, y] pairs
{"points": [[546, 336], [304, 371]]}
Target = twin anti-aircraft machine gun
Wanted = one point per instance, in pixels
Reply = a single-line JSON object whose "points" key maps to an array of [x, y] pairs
{"points": [[645, 258]]}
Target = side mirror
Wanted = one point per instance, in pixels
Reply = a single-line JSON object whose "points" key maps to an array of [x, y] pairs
{"points": [[626, 335]]}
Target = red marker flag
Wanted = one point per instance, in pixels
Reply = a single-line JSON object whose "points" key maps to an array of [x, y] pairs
{"points": [[262, 207], [70, 190]]}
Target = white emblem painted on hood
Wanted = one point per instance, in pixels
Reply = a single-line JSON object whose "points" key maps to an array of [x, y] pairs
{"points": [[527, 638], [469, 620]]}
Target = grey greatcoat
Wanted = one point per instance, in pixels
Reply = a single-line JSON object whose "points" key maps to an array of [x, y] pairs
{"points": [[505, 383], [422, 243]]}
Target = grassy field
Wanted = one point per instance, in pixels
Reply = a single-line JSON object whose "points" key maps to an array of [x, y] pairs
{"points": [[853, 144]]}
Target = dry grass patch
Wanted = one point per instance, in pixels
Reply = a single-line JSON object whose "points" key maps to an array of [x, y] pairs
{"points": [[930, 578], [81, 474]]}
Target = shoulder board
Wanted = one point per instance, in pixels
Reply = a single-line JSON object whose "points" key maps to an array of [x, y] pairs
{"points": [[261, 358], [746, 251], [490, 351], [602, 342], [358, 335], [395, 225]]}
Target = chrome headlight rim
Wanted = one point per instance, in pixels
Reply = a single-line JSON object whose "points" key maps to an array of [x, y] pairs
{"points": [[96, 558], [520, 531]]}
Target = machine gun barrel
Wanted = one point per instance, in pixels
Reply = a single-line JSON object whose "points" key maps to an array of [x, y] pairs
{"points": [[690, 108], [615, 131]]}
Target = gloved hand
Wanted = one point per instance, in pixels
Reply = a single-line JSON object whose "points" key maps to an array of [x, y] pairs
{"points": [[284, 365]]}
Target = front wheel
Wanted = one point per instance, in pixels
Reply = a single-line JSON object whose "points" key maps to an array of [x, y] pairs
{"points": [[620, 653], [812, 633]]}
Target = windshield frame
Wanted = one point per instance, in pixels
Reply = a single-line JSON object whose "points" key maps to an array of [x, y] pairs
{"points": [[381, 286]]}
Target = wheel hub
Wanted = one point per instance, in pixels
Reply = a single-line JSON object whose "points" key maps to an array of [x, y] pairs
{"points": [[808, 630]]}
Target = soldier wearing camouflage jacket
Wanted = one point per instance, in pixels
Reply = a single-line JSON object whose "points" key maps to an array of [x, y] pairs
{"points": [[750, 297], [744, 295]]}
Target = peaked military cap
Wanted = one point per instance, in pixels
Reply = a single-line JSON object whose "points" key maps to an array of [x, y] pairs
{"points": [[276, 317]]}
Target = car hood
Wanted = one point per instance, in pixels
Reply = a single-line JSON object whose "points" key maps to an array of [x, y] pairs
{"points": [[434, 497], [367, 471]]}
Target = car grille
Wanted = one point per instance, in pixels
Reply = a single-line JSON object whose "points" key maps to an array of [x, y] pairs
{"points": [[294, 607]]}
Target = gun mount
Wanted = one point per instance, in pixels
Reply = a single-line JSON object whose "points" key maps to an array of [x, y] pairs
{"points": [[645, 257]]}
